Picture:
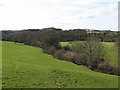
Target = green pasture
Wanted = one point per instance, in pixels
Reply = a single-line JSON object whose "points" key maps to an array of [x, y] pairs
{"points": [[27, 67]]}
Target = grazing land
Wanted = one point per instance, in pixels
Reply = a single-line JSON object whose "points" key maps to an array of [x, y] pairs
{"points": [[28, 67]]}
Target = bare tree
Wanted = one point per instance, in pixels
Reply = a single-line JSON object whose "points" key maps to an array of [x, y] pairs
{"points": [[92, 49]]}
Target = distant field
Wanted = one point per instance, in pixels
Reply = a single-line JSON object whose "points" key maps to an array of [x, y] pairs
{"points": [[110, 50], [26, 66], [94, 32]]}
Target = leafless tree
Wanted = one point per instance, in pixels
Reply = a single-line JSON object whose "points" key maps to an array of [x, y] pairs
{"points": [[92, 49]]}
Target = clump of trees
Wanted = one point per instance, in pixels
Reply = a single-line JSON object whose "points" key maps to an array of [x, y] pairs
{"points": [[91, 50], [89, 53]]}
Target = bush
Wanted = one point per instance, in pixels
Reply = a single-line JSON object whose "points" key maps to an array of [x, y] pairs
{"points": [[115, 71], [105, 67], [59, 54], [81, 59], [66, 48], [70, 56], [50, 50]]}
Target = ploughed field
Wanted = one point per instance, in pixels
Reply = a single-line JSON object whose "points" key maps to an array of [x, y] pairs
{"points": [[28, 67]]}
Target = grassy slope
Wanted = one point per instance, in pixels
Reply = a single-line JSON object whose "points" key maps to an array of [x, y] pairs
{"points": [[110, 50], [26, 66]]}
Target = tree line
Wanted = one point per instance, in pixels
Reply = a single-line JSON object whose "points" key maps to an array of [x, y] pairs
{"points": [[65, 35]]}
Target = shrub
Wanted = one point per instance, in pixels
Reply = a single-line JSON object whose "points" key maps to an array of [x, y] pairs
{"points": [[105, 67], [66, 48], [49, 50], [70, 56], [59, 54], [115, 70], [81, 59]]}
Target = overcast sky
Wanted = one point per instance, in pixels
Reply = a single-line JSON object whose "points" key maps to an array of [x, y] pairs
{"points": [[64, 14]]}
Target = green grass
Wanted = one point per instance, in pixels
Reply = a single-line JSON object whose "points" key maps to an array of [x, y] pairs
{"points": [[26, 66], [64, 43], [94, 32], [110, 50]]}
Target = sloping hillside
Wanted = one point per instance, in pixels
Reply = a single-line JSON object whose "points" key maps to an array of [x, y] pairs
{"points": [[26, 66]]}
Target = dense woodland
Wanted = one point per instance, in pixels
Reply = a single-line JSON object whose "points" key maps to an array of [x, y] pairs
{"points": [[64, 35], [88, 53]]}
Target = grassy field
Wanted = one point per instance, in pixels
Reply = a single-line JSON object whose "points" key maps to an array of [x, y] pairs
{"points": [[26, 66], [110, 50]]}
